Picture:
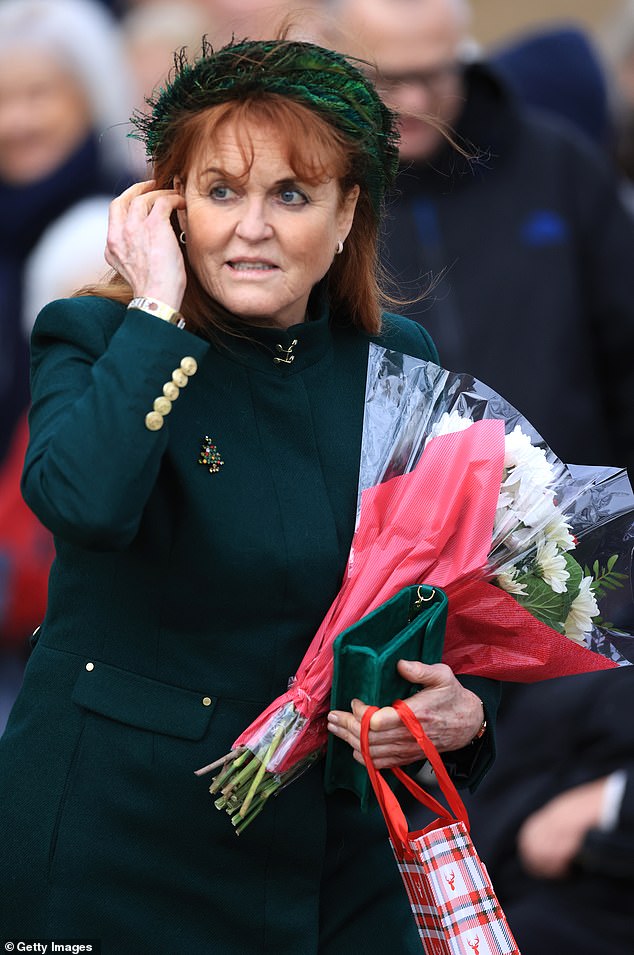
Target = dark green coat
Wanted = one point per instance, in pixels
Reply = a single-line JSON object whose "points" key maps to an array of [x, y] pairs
{"points": [[181, 602]]}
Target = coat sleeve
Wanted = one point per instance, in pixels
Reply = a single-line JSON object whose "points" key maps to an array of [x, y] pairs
{"points": [[92, 462]]}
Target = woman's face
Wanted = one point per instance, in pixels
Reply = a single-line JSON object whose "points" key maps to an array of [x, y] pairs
{"points": [[259, 246], [44, 117]]}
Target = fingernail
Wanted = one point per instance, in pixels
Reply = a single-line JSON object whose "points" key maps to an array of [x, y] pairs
{"points": [[333, 719]]}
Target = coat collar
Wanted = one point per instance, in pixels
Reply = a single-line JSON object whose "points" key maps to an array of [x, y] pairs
{"points": [[283, 351]]}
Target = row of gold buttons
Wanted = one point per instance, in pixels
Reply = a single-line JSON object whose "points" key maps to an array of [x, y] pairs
{"points": [[171, 390]]}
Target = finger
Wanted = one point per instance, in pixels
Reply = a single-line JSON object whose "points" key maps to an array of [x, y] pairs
{"points": [[395, 754], [118, 213], [156, 204], [384, 719], [345, 727], [359, 708], [119, 205], [136, 189], [141, 224], [342, 716], [423, 673]]}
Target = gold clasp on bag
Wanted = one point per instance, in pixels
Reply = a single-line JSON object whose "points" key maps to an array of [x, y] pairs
{"points": [[423, 600], [420, 600]]}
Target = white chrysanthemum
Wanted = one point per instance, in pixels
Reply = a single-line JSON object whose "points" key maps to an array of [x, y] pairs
{"points": [[584, 608], [551, 566], [535, 505], [521, 458], [449, 423], [521, 542], [507, 579], [558, 531]]}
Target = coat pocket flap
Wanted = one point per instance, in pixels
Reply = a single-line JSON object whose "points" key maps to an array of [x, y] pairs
{"points": [[139, 701]]}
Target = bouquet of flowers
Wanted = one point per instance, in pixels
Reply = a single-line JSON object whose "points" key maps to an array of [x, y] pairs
{"points": [[456, 490]]}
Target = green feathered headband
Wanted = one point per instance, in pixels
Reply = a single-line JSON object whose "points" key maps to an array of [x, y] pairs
{"points": [[321, 79]]}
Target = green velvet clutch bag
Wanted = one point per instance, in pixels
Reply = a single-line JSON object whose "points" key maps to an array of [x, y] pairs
{"points": [[409, 626]]}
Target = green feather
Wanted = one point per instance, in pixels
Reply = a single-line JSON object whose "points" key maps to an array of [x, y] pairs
{"points": [[324, 80]]}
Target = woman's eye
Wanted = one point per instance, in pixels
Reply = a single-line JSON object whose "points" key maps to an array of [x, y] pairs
{"points": [[221, 193], [292, 197]]}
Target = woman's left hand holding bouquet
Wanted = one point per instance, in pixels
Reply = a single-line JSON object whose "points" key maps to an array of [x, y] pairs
{"points": [[142, 245], [449, 714]]}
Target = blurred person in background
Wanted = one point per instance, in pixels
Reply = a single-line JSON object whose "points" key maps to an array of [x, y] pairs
{"points": [[224, 18], [528, 244], [63, 100], [151, 32], [62, 94], [554, 820], [261, 18]]}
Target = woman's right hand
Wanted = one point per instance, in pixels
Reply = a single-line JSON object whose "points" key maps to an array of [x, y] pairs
{"points": [[141, 243]]}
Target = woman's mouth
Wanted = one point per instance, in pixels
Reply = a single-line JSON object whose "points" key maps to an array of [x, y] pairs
{"points": [[242, 265]]}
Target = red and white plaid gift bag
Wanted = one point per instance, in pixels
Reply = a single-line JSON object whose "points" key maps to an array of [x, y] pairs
{"points": [[449, 889]]}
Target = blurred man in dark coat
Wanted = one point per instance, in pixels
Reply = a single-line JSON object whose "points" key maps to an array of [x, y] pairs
{"points": [[524, 238], [554, 821]]}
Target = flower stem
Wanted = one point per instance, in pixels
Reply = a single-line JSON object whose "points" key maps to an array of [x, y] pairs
{"points": [[275, 742], [221, 778], [251, 766], [223, 761]]}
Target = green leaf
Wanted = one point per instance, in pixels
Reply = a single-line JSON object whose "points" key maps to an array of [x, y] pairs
{"points": [[607, 578], [544, 603], [576, 576]]}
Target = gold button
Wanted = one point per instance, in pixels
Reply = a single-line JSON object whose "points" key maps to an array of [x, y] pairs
{"points": [[162, 405], [90, 666], [170, 390], [153, 421], [179, 377], [206, 701], [189, 365]]}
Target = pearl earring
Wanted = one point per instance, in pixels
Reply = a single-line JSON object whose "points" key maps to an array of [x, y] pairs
{"points": [[339, 249]]}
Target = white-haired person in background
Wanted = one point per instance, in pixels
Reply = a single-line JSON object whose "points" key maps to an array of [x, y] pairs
{"points": [[64, 103], [64, 100]]}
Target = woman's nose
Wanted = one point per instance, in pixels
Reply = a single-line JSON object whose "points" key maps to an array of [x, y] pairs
{"points": [[253, 223]]}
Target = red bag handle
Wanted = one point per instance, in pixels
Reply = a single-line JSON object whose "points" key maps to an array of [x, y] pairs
{"points": [[390, 806]]}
